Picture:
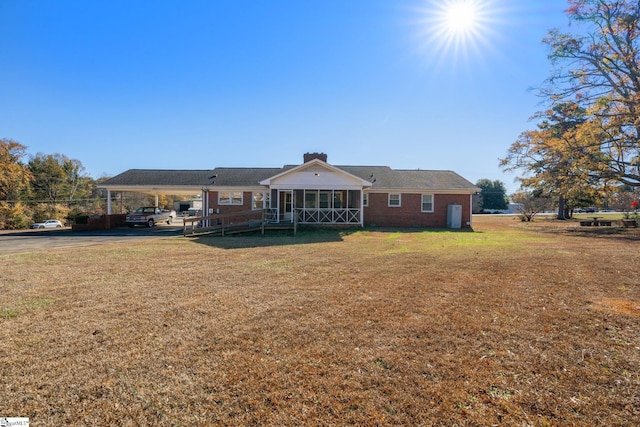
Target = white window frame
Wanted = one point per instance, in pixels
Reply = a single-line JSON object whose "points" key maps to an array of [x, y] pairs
{"points": [[422, 202], [365, 199], [399, 200], [228, 198], [265, 199]]}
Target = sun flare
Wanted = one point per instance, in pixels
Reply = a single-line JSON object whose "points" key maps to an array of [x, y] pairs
{"points": [[460, 17], [457, 29]]}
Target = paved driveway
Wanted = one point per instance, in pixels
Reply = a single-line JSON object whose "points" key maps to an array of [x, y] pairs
{"points": [[12, 242]]}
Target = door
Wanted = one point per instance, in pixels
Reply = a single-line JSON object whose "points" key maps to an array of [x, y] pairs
{"points": [[286, 205]]}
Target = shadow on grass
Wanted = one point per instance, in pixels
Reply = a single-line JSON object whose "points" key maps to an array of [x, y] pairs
{"points": [[305, 235], [574, 229], [256, 239]]}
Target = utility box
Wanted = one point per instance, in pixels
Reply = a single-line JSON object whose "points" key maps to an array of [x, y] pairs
{"points": [[454, 216]]}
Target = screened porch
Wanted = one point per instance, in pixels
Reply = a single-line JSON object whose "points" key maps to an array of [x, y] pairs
{"points": [[317, 206]]}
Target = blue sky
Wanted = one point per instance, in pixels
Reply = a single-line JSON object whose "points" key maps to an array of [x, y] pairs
{"points": [[201, 84]]}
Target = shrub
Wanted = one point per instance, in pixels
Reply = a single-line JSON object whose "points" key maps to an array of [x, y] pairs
{"points": [[14, 216], [45, 211]]}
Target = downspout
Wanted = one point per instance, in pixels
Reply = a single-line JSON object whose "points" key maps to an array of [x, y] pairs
{"points": [[205, 205], [108, 202], [361, 206]]}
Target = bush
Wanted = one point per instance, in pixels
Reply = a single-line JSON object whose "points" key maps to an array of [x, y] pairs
{"points": [[81, 219], [14, 216], [76, 216], [45, 211]]}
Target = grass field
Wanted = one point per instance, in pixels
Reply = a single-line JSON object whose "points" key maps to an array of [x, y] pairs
{"points": [[513, 324]]}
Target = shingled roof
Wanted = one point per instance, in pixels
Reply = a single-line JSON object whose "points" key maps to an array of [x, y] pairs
{"points": [[382, 177], [160, 177]]}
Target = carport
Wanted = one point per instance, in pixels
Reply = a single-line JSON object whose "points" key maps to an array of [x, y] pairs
{"points": [[156, 182]]}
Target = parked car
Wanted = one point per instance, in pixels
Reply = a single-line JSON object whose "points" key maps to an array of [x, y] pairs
{"points": [[50, 223], [149, 216]]}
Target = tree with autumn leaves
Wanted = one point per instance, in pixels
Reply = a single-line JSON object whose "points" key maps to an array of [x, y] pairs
{"points": [[45, 186], [52, 186], [587, 142], [560, 158]]}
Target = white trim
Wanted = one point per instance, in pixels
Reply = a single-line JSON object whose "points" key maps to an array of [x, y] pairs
{"points": [[230, 195], [314, 162], [433, 204], [399, 205], [265, 197], [418, 191]]}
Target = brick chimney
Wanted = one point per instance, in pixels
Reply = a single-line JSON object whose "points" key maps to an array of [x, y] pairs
{"points": [[310, 156]]}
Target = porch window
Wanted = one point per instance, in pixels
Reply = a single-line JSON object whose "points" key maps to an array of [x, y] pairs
{"points": [[353, 197], [427, 203], [325, 198], [338, 199], [259, 201], [310, 199], [230, 198], [394, 200]]}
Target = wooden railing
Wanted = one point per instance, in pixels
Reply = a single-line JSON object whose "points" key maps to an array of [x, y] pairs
{"points": [[232, 222], [328, 215]]}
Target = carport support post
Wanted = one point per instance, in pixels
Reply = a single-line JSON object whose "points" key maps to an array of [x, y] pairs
{"points": [[156, 206], [108, 202]]}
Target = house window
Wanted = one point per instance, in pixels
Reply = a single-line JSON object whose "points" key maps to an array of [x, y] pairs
{"points": [[394, 200], [427, 203], [230, 198], [259, 201], [365, 199]]}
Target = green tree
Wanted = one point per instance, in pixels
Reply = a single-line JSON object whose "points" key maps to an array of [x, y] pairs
{"points": [[493, 194], [56, 178], [15, 176], [598, 67]]}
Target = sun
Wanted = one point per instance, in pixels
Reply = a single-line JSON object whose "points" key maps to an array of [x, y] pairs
{"points": [[460, 17], [456, 29]]}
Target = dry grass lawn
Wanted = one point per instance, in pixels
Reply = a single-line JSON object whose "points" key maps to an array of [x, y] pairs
{"points": [[513, 325]]}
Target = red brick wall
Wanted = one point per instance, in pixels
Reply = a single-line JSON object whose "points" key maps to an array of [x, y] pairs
{"points": [[226, 209], [378, 212], [101, 222], [409, 214]]}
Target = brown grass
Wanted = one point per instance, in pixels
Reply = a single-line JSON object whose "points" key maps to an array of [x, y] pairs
{"points": [[514, 324]]}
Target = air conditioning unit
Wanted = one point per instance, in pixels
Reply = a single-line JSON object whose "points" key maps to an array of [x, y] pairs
{"points": [[454, 216]]}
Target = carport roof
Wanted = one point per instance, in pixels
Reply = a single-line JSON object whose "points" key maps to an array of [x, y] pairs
{"points": [[156, 181], [159, 177]]}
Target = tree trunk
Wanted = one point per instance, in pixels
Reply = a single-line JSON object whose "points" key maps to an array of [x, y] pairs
{"points": [[561, 208]]}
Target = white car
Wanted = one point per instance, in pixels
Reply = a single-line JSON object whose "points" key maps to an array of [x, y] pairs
{"points": [[50, 223]]}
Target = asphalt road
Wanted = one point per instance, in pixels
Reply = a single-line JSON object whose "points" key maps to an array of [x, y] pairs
{"points": [[12, 242]]}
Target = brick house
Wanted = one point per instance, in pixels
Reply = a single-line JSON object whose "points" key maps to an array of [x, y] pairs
{"points": [[316, 192]]}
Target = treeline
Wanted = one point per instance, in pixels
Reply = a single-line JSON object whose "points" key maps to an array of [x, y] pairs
{"points": [[38, 187]]}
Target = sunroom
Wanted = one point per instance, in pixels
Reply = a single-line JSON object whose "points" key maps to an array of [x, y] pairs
{"points": [[316, 193]]}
